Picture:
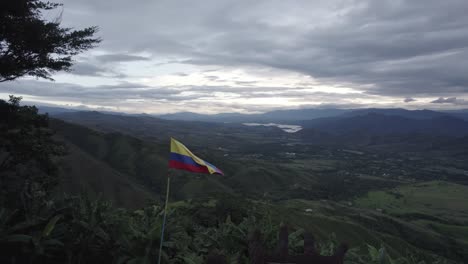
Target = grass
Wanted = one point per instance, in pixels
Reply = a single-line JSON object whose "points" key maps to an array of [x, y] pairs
{"points": [[348, 224], [439, 199], [438, 207], [453, 231]]}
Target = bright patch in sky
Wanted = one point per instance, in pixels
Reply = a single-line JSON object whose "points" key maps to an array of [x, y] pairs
{"points": [[255, 56]]}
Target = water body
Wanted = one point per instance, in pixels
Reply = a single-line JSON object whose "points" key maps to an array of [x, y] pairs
{"points": [[285, 128]]}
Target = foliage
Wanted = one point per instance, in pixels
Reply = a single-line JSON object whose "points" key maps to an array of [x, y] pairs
{"points": [[27, 169], [31, 45], [80, 230]]}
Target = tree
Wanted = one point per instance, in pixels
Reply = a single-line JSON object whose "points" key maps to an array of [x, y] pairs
{"points": [[31, 45], [27, 150]]}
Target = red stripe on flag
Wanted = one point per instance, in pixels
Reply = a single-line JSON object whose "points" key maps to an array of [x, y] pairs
{"points": [[183, 166]]}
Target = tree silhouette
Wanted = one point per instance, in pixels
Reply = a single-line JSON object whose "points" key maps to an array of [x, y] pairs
{"points": [[27, 148], [31, 45]]}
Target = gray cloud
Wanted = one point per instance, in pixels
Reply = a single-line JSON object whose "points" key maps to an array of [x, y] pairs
{"points": [[98, 94], [126, 94], [385, 47], [409, 100], [403, 49], [95, 70], [120, 58], [245, 83], [181, 74], [449, 100], [87, 69], [212, 78], [104, 65]]}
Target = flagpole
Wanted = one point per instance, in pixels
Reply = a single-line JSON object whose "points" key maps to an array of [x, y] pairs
{"points": [[164, 218]]}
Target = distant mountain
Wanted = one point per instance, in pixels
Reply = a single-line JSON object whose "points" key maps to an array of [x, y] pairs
{"points": [[412, 114], [288, 116], [278, 116], [380, 124], [189, 116], [148, 127], [52, 110], [295, 116], [343, 129], [302, 114]]}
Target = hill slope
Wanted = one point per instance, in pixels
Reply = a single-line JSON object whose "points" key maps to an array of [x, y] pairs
{"points": [[117, 159], [82, 173]]}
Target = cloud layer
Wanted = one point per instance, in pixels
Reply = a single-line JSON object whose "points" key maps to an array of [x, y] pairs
{"points": [[364, 52]]}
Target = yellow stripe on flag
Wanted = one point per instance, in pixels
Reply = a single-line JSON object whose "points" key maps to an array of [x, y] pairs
{"points": [[179, 148]]}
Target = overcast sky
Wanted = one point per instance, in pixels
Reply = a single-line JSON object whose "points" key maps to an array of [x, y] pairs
{"points": [[253, 56]]}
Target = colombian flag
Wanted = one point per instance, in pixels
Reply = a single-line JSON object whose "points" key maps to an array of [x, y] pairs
{"points": [[182, 159]]}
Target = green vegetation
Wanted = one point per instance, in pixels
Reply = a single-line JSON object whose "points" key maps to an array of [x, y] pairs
{"points": [[437, 207], [435, 198], [78, 230], [28, 172]]}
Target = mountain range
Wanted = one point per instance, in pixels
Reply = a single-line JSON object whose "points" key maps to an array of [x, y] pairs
{"points": [[374, 123], [314, 122], [290, 116]]}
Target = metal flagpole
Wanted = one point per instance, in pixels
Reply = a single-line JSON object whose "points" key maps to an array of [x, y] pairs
{"points": [[164, 218]]}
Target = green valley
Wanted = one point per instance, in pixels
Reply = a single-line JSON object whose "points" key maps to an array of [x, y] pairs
{"points": [[361, 194]]}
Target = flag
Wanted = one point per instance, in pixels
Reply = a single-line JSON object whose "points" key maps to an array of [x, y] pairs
{"points": [[183, 159]]}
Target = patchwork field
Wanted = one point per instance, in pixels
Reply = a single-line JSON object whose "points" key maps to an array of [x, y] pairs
{"points": [[436, 199], [440, 208]]}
